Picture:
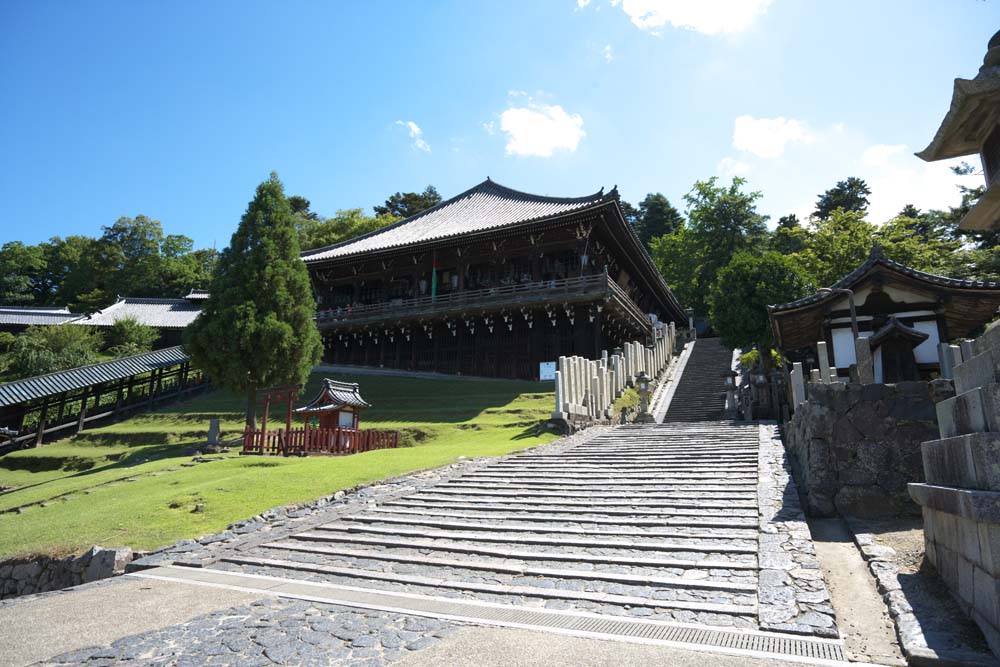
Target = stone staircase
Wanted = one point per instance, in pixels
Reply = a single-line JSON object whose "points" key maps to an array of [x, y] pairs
{"points": [[657, 522], [701, 391]]}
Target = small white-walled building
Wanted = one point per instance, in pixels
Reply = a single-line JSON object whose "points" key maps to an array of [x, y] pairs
{"points": [[944, 309]]}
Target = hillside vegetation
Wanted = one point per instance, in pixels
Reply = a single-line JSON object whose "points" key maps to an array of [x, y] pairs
{"points": [[134, 483]]}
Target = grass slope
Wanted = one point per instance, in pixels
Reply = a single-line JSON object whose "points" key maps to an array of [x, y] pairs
{"points": [[126, 484]]}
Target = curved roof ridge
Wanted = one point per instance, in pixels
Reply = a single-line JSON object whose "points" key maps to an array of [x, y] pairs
{"points": [[877, 257], [544, 198], [444, 224]]}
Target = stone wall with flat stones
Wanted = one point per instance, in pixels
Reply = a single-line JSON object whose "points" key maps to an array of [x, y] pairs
{"points": [[854, 448], [961, 496], [42, 574]]}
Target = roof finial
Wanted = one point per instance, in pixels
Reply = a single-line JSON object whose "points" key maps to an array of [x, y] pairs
{"points": [[876, 252]]}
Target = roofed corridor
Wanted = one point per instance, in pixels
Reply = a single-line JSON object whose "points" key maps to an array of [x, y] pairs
{"points": [[654, 523]]}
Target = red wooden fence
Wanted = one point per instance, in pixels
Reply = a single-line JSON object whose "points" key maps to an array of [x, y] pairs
{"points": [[320, 441]]}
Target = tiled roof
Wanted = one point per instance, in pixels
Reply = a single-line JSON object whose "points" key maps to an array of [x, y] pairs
{"points": [[197, 295], [486, 206], [878, 258], [334, 396], [158, 313], [12, 393], [33, 315]]}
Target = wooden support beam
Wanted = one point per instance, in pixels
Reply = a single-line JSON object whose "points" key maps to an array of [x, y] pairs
{"points": [[42, 420], [83, 410]]}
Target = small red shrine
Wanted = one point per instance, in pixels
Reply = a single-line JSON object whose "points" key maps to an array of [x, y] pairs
{"points": [[338, 405]]}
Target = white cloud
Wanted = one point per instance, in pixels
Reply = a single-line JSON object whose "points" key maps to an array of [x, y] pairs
{"points": [[416, 134], [730, 166], [880, 154], [580, 4], [608, 53], [767, 137], [541, 129], [710, 17], [490, 127], [792, 181]]}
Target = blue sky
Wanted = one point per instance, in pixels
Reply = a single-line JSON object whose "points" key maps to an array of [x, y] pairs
{"points": [[177, 110]]}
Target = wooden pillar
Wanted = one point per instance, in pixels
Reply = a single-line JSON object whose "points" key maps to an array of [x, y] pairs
{"points": [[437, 345], [83, 410], [399, 348], [120, 395], [42, 420], [496, 346], [152, 386], [598, 336], [458, 347], [62, 406]]}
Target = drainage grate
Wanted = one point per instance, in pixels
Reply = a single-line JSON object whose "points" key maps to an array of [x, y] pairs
{"points": [[766, 644]]}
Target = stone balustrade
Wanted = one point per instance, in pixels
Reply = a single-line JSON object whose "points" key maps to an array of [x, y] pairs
{"points": [[586, 389]]}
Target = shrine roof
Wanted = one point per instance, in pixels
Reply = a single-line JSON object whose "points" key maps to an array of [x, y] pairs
{"points": [[157, 313], [486, 206], [40, 386], [875, 260], [33, 315], [895, 328], [333, 396]]}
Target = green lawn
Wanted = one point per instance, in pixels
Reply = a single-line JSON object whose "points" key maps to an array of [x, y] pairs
{"points": [[125, 484]]}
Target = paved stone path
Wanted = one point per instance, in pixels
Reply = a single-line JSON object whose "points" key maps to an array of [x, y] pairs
{"points": [[693, 523], [655, 521]]}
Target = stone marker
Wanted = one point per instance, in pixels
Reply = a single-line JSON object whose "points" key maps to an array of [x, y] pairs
{"points": [[823, 362], [865, 362], [213, 431], [798, 385]]}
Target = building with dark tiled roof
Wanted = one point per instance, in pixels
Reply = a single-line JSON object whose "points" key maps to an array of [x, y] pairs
{"points": [[168, 316], [943, 308], [490, 282], [15, 319], [972, 125]]}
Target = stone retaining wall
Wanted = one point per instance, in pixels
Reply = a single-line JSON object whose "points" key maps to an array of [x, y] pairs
{"points": [[42, 574], [854, 448], [961, 497]]}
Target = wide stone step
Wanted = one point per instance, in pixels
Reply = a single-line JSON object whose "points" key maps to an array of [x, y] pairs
{"points": [[405, 546], [641, 543], [508, 491], [564, 509], [356, 575], [385, 520], [612, 480], [607, 489], [568, 575], [566, 501], [622, 518]]}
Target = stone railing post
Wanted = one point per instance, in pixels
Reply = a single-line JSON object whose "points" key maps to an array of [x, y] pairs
{"points": [[823, 361], [798, 385]]}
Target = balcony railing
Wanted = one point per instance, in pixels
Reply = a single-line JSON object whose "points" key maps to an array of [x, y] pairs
{"points": [[581, 288]]}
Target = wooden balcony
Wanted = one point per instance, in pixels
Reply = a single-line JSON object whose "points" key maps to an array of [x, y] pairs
{"points": [[582, 289]]}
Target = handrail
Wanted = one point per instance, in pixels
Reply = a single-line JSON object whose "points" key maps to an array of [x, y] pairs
{"points": [[576, 287]]}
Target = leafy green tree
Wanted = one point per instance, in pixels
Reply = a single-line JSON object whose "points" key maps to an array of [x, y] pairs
{"points": [[789, 237], [256, 329], [837, 245], [301, 206], [20, 270], [345, 225], [918, 243], [850, 195], [47, 349], [745, 287], [127, 336], [405, 204], [657, 217], [721, 221], [631, 214]]}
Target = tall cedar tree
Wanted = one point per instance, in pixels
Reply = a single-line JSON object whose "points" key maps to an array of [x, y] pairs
{"points": [[850, 195], [657, 217], [256, 329]]}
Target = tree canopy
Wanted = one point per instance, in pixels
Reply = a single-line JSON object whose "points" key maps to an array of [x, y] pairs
{"points": [[346, 224], [257, 329], [744, 288], [850, 195], [47, 349], [656, 217], [405, 204], [721, 221]]}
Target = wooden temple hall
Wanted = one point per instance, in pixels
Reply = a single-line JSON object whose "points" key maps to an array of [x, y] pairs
{"points": [[490, 282]]}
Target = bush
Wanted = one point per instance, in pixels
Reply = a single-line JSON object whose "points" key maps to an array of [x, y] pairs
{"points": [[127, 337], [7, 340], [752, 358], [41, 350]]}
